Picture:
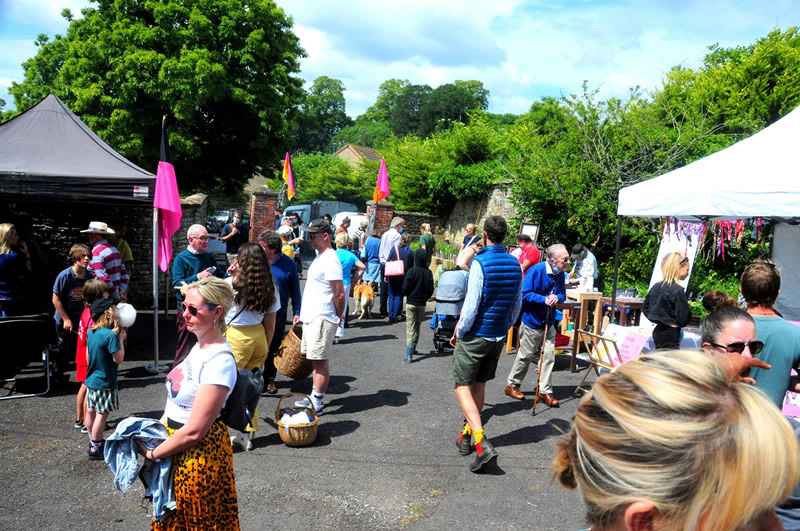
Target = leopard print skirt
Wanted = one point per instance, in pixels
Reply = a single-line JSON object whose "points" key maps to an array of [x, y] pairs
{"points": [[205, 487]]}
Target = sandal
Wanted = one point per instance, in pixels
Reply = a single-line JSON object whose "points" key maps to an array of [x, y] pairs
{"points": [[271, 389]]}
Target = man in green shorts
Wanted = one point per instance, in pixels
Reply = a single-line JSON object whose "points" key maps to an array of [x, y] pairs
{"points": [[490, 308]]}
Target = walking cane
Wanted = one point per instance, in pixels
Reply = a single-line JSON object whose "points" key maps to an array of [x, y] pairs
{"points": [[541, 357]]}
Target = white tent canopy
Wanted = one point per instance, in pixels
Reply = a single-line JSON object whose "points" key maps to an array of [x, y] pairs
{"points": [[756, 177]]}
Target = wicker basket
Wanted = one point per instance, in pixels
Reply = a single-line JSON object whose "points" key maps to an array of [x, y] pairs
{"points": [[289, 360], [297, 434]]}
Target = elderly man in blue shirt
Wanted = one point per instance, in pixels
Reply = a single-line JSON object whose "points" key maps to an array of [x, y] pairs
{"points": [[490, 308], [542, 290]]}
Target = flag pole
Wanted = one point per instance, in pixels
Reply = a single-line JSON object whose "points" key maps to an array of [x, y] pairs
{"points": [[155, 367]]}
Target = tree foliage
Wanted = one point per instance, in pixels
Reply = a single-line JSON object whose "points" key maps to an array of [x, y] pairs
{"points": [[318, 176], [322, 116], [222, 71]]}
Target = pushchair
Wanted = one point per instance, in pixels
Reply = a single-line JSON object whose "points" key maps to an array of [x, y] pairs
{"points": [[450, 294]]}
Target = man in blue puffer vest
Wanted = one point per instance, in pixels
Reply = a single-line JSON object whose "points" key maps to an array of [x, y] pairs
{"points": [[542, 290], [490, 308]]}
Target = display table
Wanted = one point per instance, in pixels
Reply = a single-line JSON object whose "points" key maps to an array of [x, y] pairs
{"points": [[691, 340], [626, 305], [588, 300]]}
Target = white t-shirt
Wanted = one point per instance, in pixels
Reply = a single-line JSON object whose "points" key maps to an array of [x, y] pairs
{"points": [[210, 367], [248, 317], [318, 295]]}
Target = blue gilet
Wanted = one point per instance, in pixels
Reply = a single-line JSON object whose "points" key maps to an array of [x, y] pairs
{"points": [[501, 283]]}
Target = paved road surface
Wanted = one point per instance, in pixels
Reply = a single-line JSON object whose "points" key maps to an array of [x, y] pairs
{"points": [[385, 456]]}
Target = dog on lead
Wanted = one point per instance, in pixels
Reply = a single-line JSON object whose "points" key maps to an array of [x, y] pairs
{"points": [[364, 295]]}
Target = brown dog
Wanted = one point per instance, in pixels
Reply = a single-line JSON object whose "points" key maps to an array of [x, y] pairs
{"points": [[364, 295]]}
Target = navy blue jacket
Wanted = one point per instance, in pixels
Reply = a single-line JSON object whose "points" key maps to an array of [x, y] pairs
{"points": [[538, 284]]}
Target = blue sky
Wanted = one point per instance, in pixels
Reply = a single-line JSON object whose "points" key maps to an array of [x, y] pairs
{"points": [[520, 50]]}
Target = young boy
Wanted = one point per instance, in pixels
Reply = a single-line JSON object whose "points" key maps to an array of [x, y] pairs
{"points": [[418, 288], [93, 290], [106, 351], [68, 302]]}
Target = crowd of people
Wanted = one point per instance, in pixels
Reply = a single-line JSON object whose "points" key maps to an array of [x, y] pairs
{"points": [[675, 439]]}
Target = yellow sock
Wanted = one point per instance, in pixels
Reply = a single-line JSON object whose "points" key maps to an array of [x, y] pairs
{"points": [[478, 434], [467, 430]]}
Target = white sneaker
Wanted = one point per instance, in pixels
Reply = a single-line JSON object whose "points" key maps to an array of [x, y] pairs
{"points": [[318, 404], [243, 441]]}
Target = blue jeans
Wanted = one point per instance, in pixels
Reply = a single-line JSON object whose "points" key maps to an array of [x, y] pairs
{"points": [[395, 300]]}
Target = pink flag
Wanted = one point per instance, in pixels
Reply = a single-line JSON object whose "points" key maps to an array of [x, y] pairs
{"points": [[167, 201], [382, 184]]}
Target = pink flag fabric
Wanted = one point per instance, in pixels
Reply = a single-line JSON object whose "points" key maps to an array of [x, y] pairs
{"points": [[168, 203], [382, 184]]}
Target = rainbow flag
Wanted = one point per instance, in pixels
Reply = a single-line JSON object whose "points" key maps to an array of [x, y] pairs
{"points": [[382, 184], [288, 178]]}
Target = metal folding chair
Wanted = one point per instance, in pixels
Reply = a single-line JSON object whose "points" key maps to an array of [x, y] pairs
{"points": [[25, 338], [603, 352]]}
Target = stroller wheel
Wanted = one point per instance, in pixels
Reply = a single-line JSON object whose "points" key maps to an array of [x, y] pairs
{"points": [[437, 346]]}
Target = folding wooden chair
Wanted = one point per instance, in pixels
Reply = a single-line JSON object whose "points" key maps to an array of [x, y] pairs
{"points": [[603, 352], [25, 338]]}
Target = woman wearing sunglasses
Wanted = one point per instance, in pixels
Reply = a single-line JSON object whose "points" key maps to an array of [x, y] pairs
{"points": [[666, 303], [730, 331], [197, 388]]}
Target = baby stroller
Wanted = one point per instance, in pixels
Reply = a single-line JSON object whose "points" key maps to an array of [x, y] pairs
{"points": [[450, 294]]}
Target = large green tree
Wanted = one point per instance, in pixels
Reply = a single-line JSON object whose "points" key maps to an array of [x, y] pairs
{"points": [[322, 116], [222, 71]]}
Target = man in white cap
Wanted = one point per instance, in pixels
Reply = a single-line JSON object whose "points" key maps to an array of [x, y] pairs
{"points": [[106, 264]]}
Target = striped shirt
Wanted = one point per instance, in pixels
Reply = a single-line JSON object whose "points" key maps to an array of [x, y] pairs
{"points": [[107, 266]]}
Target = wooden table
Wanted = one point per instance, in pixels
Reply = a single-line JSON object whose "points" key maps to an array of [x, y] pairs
{"points": [[588, 300], [572, 312], [625, 304]]}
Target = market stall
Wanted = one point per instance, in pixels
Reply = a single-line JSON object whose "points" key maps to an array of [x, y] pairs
{"points": [[758, 177]]}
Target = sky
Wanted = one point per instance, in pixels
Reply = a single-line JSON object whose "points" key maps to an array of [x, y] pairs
{"points": [[522, 50]]}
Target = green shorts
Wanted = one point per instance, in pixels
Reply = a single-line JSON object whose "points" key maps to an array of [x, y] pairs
{"points": [[102, 400], [475, 359]]}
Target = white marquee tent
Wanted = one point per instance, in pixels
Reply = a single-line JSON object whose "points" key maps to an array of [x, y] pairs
{"points": [[756, 177]]}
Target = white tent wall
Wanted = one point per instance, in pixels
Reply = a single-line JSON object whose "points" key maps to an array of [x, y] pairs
{"points": [[756, 177], [786, 253]]}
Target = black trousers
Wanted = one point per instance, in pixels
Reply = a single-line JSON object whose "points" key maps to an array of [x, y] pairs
{"points": [[666, 337], [270, 372]]}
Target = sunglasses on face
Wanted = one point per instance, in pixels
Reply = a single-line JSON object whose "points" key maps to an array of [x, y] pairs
{"points": [[738, 347], [194, 309], [685, 260]]}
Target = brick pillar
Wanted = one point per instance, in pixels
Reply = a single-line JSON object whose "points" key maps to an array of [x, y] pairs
{"points": [[384, 214], [263, 211]]}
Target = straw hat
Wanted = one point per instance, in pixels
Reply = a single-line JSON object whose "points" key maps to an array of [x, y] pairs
{"points": [[98, 227]]}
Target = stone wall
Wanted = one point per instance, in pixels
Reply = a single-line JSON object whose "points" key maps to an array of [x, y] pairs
{"points": [[477, 209], [415, 219], [57, 226]]}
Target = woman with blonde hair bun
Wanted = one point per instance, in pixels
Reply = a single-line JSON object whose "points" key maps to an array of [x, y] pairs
{"points": [[669, 441]]}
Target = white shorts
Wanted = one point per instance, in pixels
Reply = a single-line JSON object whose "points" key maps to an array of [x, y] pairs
{"points": [[317, 340]]}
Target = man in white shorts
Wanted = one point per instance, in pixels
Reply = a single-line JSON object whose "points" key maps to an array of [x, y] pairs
{"points": [[323, 308]]}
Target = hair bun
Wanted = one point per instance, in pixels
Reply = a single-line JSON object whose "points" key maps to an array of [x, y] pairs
{"points": [[715, 299]]}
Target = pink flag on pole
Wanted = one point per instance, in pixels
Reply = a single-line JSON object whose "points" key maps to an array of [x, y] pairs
{"points": [[167, 201], [382, 184]]}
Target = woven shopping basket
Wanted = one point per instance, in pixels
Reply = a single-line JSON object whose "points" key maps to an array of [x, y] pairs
{"points": [[297, 434], [289, 360]]}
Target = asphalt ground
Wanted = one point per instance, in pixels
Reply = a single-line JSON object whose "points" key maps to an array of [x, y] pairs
{"points": [[385, 454]]}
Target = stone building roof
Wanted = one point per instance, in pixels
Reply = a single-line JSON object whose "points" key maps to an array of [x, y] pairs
{"points": [[363, 153]]}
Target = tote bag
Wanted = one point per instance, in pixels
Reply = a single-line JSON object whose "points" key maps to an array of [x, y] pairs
{"points": [[395, 268]]}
